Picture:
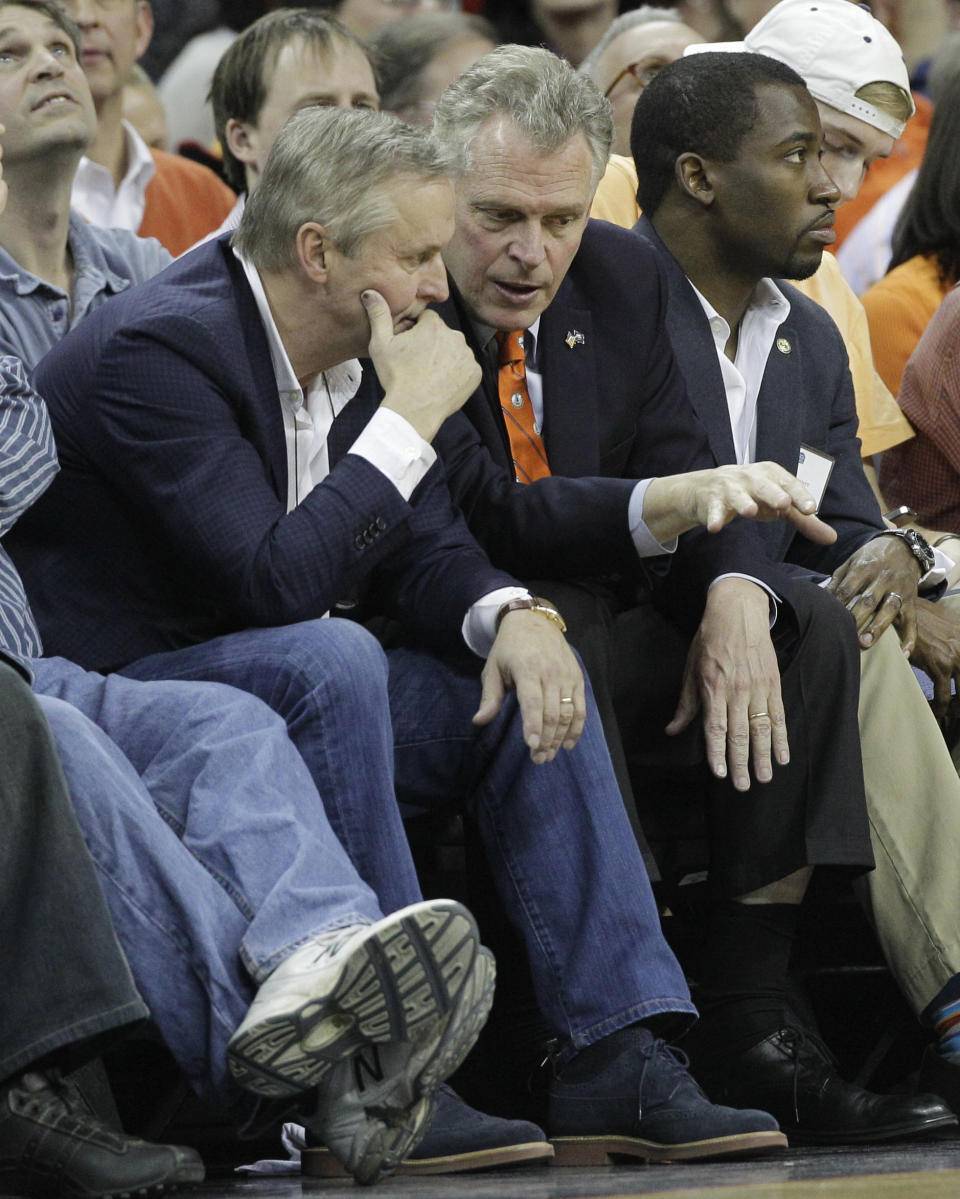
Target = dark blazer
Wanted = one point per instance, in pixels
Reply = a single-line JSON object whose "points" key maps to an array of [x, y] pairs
{"points": [[616, 410], [806, 398], [168, 523]]}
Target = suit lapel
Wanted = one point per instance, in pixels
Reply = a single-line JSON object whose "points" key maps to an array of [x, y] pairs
{"points": [[569, 370], [779, 428]]}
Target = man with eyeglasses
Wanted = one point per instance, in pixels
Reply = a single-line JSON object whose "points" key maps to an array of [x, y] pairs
{"points": [[121, 182], [627, 57]]}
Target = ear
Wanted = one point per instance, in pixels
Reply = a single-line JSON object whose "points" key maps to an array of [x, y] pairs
{"points": [[240, 137], [694, 177], [313, 251], [144, 26]]}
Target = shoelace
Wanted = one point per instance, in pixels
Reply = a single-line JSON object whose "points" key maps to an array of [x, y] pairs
{"points": [[795, 1040]]}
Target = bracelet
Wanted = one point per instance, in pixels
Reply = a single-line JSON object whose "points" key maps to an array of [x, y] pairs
{"points": [[533, 603]]}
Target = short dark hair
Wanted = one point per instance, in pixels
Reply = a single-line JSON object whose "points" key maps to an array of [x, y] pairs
{"points": [[50, 9], [404, 49], [701, 104], [240, 83], [930, 221]]}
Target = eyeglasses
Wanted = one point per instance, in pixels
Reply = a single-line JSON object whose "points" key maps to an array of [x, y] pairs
{"points": [[642, 72]]}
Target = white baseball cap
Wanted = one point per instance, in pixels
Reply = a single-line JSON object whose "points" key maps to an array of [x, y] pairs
{"points": [[836, 47]]}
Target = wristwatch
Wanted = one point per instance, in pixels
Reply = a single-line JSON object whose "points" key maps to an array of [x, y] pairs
{"points": [[919, 547], [533, 603]]}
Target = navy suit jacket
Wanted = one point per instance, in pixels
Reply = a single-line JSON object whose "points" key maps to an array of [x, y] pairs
{"points": [[615, 410], [806, 398], [168, 524]]}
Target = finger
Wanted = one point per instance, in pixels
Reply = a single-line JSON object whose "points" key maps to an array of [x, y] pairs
{"points": [[891, 608], [908, 627], [779, 741], [380, 318], [579, 717], [760, 728], [530, 697], [491, 696], [738, 746], [687, 707], [812, 527], [941, 693]]}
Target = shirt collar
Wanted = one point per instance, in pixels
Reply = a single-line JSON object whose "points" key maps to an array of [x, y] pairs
{"points": [[767, 299], [486, 335], [91, 271], [141, 167], [342, 379]]}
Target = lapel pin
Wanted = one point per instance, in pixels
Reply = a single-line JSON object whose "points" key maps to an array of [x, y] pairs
{"points": [[574, 338], [783, 345]]}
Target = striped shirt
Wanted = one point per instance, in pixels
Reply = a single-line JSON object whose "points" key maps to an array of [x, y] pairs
{"points": [[28, 463]]}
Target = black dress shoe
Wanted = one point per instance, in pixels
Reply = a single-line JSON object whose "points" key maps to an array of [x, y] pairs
{"points": [[791, 1074], [941, 1077], [50, 1145], [630, 1096]]}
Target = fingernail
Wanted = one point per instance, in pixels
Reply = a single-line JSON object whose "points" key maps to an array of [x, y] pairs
{"points": [[867, 639], [783, 757], [764, 775], [366, 298]]}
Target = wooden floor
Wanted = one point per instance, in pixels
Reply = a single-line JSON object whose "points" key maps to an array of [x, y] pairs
{"points": [[914, 1170]]}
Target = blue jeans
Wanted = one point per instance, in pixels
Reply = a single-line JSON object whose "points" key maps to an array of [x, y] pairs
{"points": [[211, 843], [563, 857]]}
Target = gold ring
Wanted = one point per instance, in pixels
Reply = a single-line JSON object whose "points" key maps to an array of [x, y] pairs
{"points": [[565, 699], [756, 715]]}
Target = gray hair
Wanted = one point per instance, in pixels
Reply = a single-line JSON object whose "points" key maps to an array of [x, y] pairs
{"points": [[330, 165], [403, 50], [542, 94], [644, 15]]}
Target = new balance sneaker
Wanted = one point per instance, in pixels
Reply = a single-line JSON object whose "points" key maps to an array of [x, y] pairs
{"points": [[395, 981], [373, 1109]]}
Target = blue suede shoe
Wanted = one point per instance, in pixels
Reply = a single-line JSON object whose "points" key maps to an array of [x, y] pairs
{"points": [[631, 1096], [459, 1139]]}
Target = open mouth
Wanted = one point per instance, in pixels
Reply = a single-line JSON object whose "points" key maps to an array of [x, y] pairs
{"points": [[516, 293], [54, 101]]}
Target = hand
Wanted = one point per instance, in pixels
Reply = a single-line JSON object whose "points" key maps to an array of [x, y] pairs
{"points": [[937, 651], [531, 655], [760, 491], [878, 583], [428, 372], [732, 671]]}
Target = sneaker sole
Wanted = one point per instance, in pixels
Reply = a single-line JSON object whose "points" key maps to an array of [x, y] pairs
{"points": [[388, 1104], [607, 1151], [403, 976]]}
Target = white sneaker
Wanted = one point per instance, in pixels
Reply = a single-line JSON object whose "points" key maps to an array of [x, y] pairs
{"points": [[374, 1108], [393, 981]]}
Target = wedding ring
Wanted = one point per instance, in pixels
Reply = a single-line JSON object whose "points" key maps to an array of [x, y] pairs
{"points": [[895, 595], [756, 715], [565, 699]]}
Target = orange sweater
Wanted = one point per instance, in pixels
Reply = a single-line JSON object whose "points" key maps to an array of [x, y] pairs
{"points": [[899, 307], [184, 202]]}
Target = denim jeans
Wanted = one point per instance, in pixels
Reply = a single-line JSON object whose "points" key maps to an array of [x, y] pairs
{"points": [[564, 859], [212, 846], [65, 980]]}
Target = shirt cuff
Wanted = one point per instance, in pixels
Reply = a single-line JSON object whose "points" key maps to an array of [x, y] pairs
{"points": [[391, 444], [775, 599], [942, 566], [646, 544], [480, 623]]}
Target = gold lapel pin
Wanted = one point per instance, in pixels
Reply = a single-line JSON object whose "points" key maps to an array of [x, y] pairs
{"points": [[783, 345], [574, 338]]}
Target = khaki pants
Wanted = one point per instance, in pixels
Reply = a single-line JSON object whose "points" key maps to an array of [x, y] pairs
{"points": [[913, 799]]}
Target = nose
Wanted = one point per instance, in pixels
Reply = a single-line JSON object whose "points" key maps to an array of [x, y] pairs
{"points": [[826, 189], [433, 283], [527, 246], [46, 64]]}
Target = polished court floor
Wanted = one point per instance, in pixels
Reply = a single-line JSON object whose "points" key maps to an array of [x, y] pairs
{"points": [[914, 1170]]}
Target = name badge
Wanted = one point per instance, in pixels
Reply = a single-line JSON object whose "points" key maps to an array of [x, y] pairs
{"points": [[814, 470]]}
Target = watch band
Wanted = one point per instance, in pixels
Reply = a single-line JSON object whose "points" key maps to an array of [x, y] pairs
{"points": [[533, 603], [918, 545]]}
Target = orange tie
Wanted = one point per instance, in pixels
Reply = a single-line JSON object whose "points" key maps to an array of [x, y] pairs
{"points": [[526, 445]]}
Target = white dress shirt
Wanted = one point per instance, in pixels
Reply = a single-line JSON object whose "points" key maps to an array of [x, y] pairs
{"points": [[388, 442], [99, 202]]}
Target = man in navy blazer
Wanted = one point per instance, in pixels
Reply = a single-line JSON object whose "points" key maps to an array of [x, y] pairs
{"points": [[223, 487], [611, 410], [735, 200]]}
